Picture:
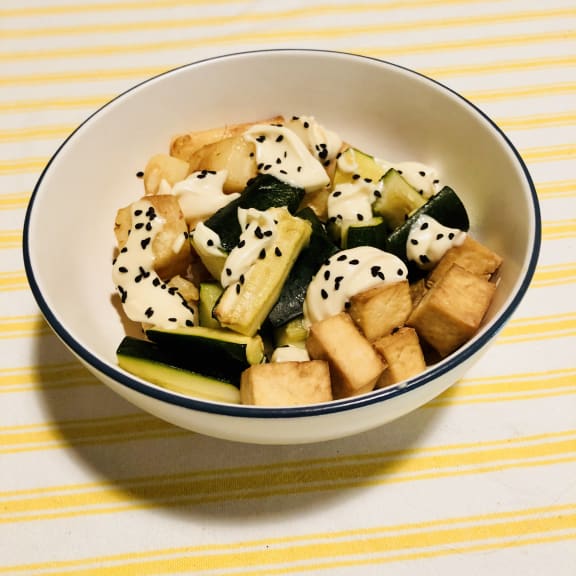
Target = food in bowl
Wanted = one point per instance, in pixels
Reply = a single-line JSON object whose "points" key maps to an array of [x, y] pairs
{"points": [[271, 263]]}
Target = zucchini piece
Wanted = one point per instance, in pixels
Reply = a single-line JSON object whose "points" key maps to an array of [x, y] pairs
{"points": [[210, 346], [244, 307], [445, 207], [371, 233], [293, 333], [149, 362], [291, 300], [398, 199], [262, 193], [365, 166], [210, 292]]}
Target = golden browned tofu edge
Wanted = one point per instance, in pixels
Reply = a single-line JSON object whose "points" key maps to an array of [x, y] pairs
{"points": [[280, 384]]}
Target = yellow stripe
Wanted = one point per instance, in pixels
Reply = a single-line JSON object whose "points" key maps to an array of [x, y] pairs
{"points": [[37, 133], [107, 7], [14, 201], [512, 387], [10, 281], [23, 327], [556, 189], [537, 121], [558, 229], [22, 165], [538, 328], [287, 478], [522, 92], [10, 239], [554, 275], [284, 15], [48, 376], [324, 32]]}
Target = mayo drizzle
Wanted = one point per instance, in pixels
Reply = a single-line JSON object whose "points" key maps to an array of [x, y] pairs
{"points": [[429, 240], [347, 273], [421, 177], [322, 143], [351, 202], [258, 234], [280, 152], [145, 297]]}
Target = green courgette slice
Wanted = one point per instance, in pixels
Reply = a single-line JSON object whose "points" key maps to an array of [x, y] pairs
{"points": [[371, 233]]}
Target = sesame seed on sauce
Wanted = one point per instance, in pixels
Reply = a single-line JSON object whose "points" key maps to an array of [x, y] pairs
{"points": [[262, 254], [375, 271], [189, 323], [277, 251], [424, 259], [400, 272], [439, 236], [295, 117], [354, 262], [336, 193], [251, 154], [327, 275], [139, 225], [113, 261], [435, 181], [123, 294], [342, 257], [306, 125], [451, 236], [228, 272], [421, 192], [172, 319], [237, 288], [278, 160], [261, 138], [151, 213], [123, 269], [355, 176], [140, 174], [144, 243], [377, 194], [172, 290], [399, 172], [260, 165], [347, 305], [332, 219], [283, 172], [279, 138], [324, 294], [149, 312], [156, 282], [424, 226], [242, 279], [258, 233], [360, 217], [148, 227], [422, 173], [267, 166], [323, 154], [414, 241], [285, 154], [210, 242], [326, 164], [268, 233], [137, 212], [242, 243], [299, 169], [124, 250], [368, 180]]}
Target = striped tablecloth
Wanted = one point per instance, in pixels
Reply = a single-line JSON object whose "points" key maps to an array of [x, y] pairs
{"points": [[481, 481]]}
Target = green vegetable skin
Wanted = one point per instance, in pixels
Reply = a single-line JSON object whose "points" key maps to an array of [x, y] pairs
{"points": [[152, 363]]}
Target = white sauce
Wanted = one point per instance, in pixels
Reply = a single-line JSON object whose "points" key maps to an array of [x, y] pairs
{"points": [[281, 153], [290, 353], [200, 194], [258, 234], [351, 202], [322, 143], [145, 297], [347, 273], [206, 240], [421, 177], [428, 241]]}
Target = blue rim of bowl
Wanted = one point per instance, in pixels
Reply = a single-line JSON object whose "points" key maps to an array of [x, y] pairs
{"points": [[244, 411]]}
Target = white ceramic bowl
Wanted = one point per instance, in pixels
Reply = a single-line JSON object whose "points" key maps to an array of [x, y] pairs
{"points": [[388, 110]]}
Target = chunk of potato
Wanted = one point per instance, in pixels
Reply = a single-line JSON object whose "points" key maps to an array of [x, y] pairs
{"points": [[286, 384], [163, 167]]}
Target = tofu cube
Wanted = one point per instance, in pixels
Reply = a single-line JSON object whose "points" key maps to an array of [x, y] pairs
{"points": [[470, 255], [402, 353], [379, 310], [163, 167], [354, 364], [286, 384], [451, 311]]}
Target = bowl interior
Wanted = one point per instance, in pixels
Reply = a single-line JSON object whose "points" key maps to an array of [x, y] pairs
{"points": [[381, 108]]}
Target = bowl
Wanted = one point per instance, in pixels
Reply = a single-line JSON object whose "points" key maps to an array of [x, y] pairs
{"points": [[378, 106]]}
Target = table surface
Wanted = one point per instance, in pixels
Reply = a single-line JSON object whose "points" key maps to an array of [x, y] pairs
{"points": [[481, 481]]}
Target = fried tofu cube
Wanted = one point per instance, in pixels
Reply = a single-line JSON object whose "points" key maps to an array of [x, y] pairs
{"points": [[234, 154], [286, 384], [417, 290], [163, 167], [451, 311], [470, 255], [379, 310], [354, 364], [402, 353], [172, 252]]}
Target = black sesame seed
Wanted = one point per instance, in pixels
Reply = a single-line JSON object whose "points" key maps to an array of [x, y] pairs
{"points": [[144, 243], [262, 254], [377, 194], [258, 233], [451, 236], [295, 117], [414, 241], [347, 305], [268, 233], [399, 171], [123, 269], [277, 251], [285, 154], [201, 176], [138, 213], [338, 155], [368, 180], [375, 271], [189, 323], [279, 138], [342, 257], [336, 193], [267, 166], [156, 282], [360, 217], [123, 294], [242, 279], [332, 219], [237, 288], [140, 174], [251, 154], [439, 236], [324, 294], [172, 319], [436, 181], [338, 279], [151, 213], [114, 261], [172, 290], [306, 125], [424, 259], [242, 243], [210, 242], [299, 169], [124, 250], [228, 272], [355, 176], [326, 164], [278, 160], [424, 226], [148, 227], [323, 154], [283, 172], [422, 173], [400, 272], [149, 312], [260, 165], [354, 262], [139, 225], [326, 274], [261, 138]]}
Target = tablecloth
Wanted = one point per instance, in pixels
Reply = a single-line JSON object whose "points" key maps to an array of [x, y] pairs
{"points": [[480, 481]]}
